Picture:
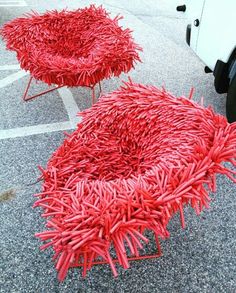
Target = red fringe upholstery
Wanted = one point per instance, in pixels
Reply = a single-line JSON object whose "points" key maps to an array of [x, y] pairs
{"points": [[139, 156], [73, 48]]}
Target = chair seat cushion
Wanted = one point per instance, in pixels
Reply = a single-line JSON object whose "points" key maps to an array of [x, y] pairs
{"points": [[138, 156], [73, 48]]}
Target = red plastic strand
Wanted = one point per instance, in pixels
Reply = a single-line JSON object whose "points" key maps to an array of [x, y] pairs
{"points": [[139, 156], [71, 48]]}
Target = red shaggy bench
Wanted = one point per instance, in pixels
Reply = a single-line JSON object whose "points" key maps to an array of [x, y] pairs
{"points": [[71, 48], [138, 156]]}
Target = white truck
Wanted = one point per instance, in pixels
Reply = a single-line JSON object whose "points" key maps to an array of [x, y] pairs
{"points": [[211, 34]]}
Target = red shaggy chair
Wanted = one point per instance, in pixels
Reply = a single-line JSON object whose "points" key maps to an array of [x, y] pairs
{"points": [[71, 48], [138, 156]]}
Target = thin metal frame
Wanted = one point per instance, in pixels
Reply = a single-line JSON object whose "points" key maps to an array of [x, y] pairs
{"points": [[28, 98], [88, 265]]}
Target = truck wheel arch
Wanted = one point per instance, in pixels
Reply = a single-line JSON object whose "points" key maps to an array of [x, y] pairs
{"points": [[231, 101], [221, 73]]}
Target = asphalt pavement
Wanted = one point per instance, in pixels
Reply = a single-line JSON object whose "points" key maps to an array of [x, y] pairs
{"points": [[201, 258]]}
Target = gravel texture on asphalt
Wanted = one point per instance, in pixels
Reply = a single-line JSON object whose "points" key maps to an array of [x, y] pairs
{"points": [[201, 258]]}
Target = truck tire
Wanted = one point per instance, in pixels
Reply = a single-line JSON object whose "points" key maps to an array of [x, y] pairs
{"points": [[231, 101]]}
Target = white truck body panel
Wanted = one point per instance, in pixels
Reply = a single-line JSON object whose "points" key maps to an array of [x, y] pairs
{"points": [[194, 11], [215, 38]]}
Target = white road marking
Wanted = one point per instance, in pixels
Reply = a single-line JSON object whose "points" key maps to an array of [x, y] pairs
{"points": [[13, 3], [67, 98], [10, 67], [35, 129], [13, 77], [70, 105]]}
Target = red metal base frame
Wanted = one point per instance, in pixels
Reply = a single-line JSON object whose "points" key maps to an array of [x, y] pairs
{"points": [[88, 265], [134, 258], [94, 99], [28, 98]]}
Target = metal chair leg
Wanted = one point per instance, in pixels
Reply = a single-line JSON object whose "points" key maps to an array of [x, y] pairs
{"points": [[93, 95], [94, 98], [27, 98], [100, 87]]}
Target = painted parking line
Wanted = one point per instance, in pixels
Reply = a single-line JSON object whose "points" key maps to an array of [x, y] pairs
{"points": [[12, 77], [70, 105], [67, 98], [35, 129], [10, 67], [12, 3]]}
